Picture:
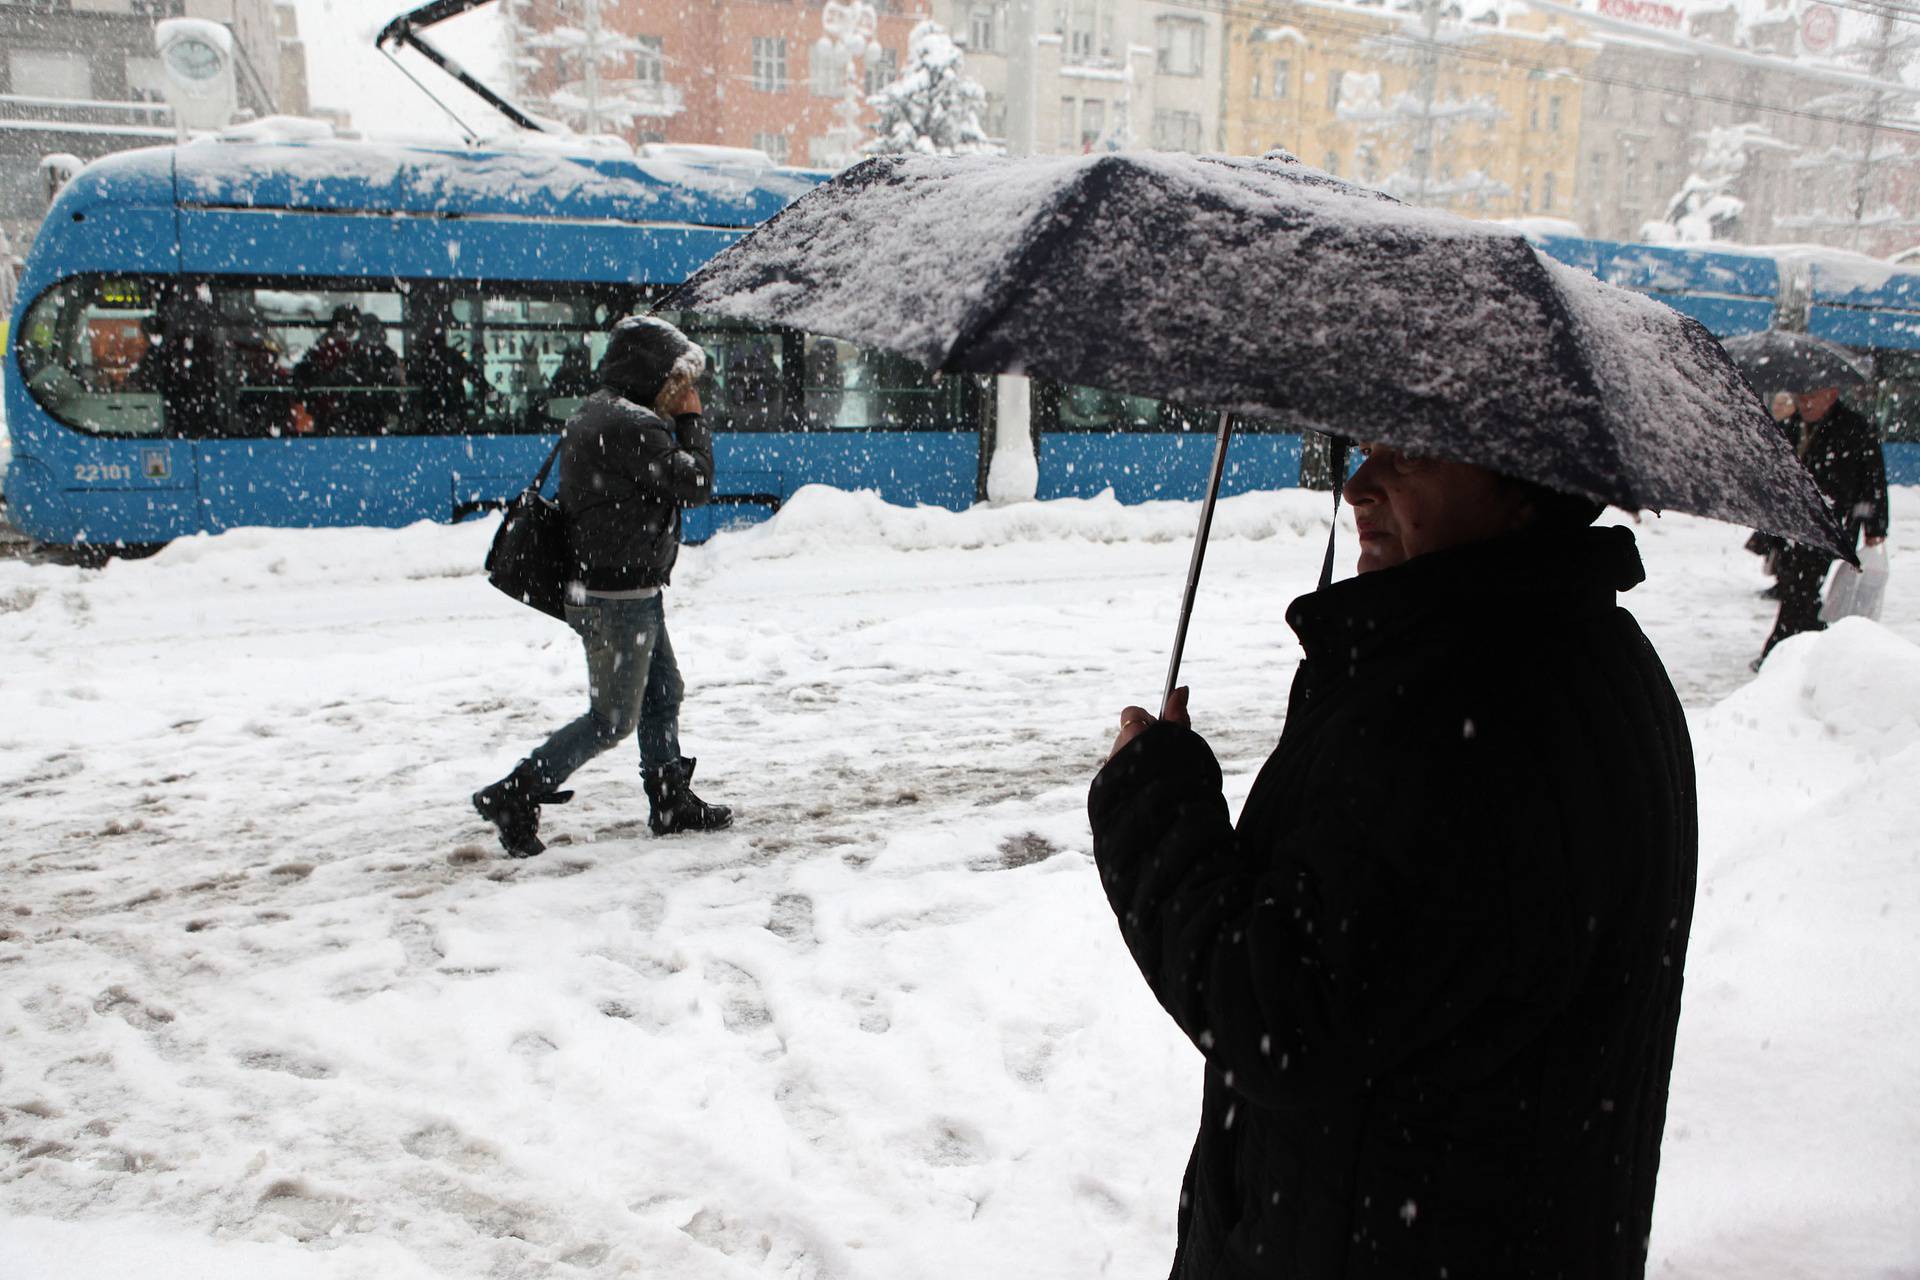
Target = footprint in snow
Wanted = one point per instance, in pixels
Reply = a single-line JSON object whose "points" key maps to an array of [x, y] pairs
{"points": [[792, 918]]}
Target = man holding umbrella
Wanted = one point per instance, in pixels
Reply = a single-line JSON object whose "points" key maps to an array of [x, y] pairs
{"points": [[1434, 969]]}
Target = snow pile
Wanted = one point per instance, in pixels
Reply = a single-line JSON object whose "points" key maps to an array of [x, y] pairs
{"points": [[819, 520], [1800, 1000]]}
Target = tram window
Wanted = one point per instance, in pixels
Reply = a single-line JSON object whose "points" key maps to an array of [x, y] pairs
{"points": [[900, 395], [305, 361], [1063, 407], [746, 379], [512, 360], [1092, 409], [832, 390], [1896, 395], [89, 352]]}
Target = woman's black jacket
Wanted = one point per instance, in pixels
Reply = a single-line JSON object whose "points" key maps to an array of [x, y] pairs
{"points": [[1435, 970], [625, 473]]}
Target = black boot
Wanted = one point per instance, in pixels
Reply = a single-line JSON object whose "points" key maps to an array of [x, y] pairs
{"points": [[513, 805], [675, 807]]}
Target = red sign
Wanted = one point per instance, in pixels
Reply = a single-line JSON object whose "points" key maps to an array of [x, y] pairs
{"points": [[1649, 13], [1818, 26]]}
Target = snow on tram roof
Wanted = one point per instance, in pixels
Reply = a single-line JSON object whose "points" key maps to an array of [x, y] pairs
{"points": [[339, 175]]}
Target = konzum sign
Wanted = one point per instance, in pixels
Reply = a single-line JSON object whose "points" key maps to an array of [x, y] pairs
{"points": [[1647, 12]]}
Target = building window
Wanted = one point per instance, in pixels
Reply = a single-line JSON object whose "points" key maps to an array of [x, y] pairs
{"points": [[1080, 31], [50, 73], [1333, 89], [993, 115], [1553, 113], [1181, 46], [770, 64], [883, 70], [146, 79], [827, 71], [1546, 194], [1533, 116], [980, 31], [1281, 81], [1332, 163], [1176, 130], [649, 61], [1069, 111], [1093, 122], [1526, 197], [774, 144]]}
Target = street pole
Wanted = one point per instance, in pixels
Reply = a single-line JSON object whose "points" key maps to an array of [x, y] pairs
{"points": [[1876, 111], [1428, 86], [850, 27], [592, 23]]}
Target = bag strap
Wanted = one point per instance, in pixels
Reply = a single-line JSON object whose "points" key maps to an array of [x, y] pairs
{"points": [[540, 480]]}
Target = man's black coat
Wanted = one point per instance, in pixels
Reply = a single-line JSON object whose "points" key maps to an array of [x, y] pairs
{"points": [[1435, 971]]}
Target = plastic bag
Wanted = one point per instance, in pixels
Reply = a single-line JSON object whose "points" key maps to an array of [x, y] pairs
{"points": [[1857, 593]]}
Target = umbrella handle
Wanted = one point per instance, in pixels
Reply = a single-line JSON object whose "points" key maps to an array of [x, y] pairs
{"points": [[1199, 554]]}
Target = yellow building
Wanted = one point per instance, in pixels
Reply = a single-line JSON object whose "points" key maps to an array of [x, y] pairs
{"points": [[1345, 87]]}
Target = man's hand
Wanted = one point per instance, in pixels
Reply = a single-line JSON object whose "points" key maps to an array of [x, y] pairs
{"points": [[1134, 720]]}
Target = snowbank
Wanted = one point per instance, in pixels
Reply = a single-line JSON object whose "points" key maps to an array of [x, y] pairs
{"points": [[1792, 1126], [270, 1004]]}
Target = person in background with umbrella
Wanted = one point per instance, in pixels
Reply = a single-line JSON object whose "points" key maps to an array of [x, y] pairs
{"points": [[1842, 450], [1435, 968]]}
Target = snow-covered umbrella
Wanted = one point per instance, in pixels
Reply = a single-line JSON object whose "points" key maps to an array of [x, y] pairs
{"points": [[1265, 288], [1780, 360]]}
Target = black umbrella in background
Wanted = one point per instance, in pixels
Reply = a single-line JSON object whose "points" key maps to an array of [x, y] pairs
{"points": [[1266, 288], [1779, 360]]}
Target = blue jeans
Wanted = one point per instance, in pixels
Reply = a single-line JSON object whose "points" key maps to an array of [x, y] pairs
{"points": [[633, 683]]}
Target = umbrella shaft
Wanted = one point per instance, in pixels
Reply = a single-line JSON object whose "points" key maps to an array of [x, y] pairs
{"points": [[1199, 554]]}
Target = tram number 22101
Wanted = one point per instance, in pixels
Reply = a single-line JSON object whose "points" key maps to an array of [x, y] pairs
{"points": [[102, 472]]}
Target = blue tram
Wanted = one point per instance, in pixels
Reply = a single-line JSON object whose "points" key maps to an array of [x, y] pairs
{"points": [[317, 333], [321, 332]]}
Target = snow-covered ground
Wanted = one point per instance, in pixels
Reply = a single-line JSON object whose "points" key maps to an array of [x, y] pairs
{"points": [[270, 1004]]}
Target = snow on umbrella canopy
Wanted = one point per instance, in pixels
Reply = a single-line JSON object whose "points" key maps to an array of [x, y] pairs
{"points": [[1269, 289], [1776, 360]]}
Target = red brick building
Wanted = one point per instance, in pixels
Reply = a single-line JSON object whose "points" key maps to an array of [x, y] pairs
{"points": [[739, 73]]}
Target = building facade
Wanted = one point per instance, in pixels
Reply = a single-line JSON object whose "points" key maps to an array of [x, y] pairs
{"points": [[83, 78], [1479, 114]]}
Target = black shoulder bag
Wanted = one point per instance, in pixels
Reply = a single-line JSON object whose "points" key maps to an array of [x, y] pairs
{"points": [[530, 558]]}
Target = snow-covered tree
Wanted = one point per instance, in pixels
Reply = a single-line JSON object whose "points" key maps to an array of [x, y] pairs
{"points": [[596, 79], [1708, 205], [1422, 120], [933, 107]]}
